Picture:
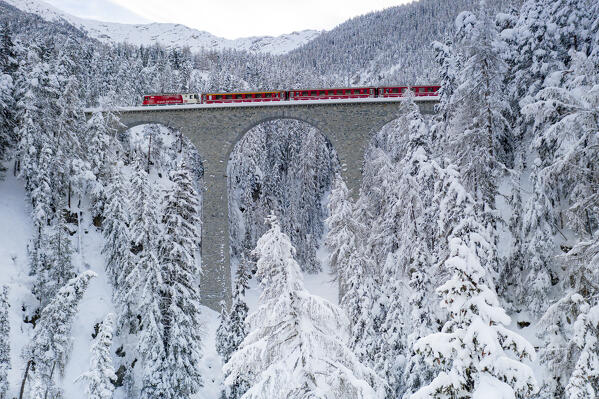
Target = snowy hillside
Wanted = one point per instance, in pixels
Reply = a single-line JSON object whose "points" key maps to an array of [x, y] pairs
{"points": [[169, 35]]}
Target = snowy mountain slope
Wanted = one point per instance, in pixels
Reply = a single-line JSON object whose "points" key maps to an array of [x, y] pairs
{"points": [[169, 35]]}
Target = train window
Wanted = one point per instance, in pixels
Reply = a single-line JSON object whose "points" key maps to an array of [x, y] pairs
{"points": [[228, 96], [267, 95]]}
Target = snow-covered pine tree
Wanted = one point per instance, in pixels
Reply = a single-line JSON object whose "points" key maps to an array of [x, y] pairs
{"points": [[222, 332], [357, 271], [565, 123], [571, 29], [472, 349], [594, 34], [567, 144], [558, 353], [474, 345], [72, 172], [281, 357], [120, 261], [584, 379], [117, 244], [564, 171], [8, 57], [449, 62], [47, 353], [361, 300], [145, 284], [422, 318], [4, 342], [535, 50], [98, 136], [341, 236], [178, 257], [233, 327], [35, 147], [382, 237], [51, 260], [478, 131], [100, 377], [101, 131], [410, 314], [8, 67]]}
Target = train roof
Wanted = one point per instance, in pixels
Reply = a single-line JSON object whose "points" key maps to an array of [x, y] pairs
{"points": [[167, 94], [334, 88], [244, 92], [419, 85]]}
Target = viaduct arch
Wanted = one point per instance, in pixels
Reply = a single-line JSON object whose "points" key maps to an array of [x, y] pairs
{"points": [[215, 129]]}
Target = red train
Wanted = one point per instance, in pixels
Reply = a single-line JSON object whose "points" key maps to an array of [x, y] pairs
{"points": [[290, 95]]}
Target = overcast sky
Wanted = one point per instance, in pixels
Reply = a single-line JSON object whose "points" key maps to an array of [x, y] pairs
{"points": [[228, 18]]}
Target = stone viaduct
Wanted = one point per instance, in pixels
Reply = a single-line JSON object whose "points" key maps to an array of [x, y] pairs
{"points": [[215, 129]]}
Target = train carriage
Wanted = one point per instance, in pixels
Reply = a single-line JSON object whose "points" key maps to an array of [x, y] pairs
{"points": [[401, 91], [243, 97], [171, 99], [426, 91], [332, 94]]}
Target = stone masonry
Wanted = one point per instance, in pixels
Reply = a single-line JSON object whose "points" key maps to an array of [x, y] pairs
{"points": [[214, 131]]}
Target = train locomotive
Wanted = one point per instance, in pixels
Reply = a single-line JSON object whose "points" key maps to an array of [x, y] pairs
{"points": [[289, 95]]}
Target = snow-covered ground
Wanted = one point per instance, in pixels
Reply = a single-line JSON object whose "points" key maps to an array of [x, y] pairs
{"points": [[15, 230], [169, 35]]}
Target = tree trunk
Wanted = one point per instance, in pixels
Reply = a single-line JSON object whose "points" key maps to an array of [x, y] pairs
{"points": [[24, 379], [149, 151], [51, 376]]}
